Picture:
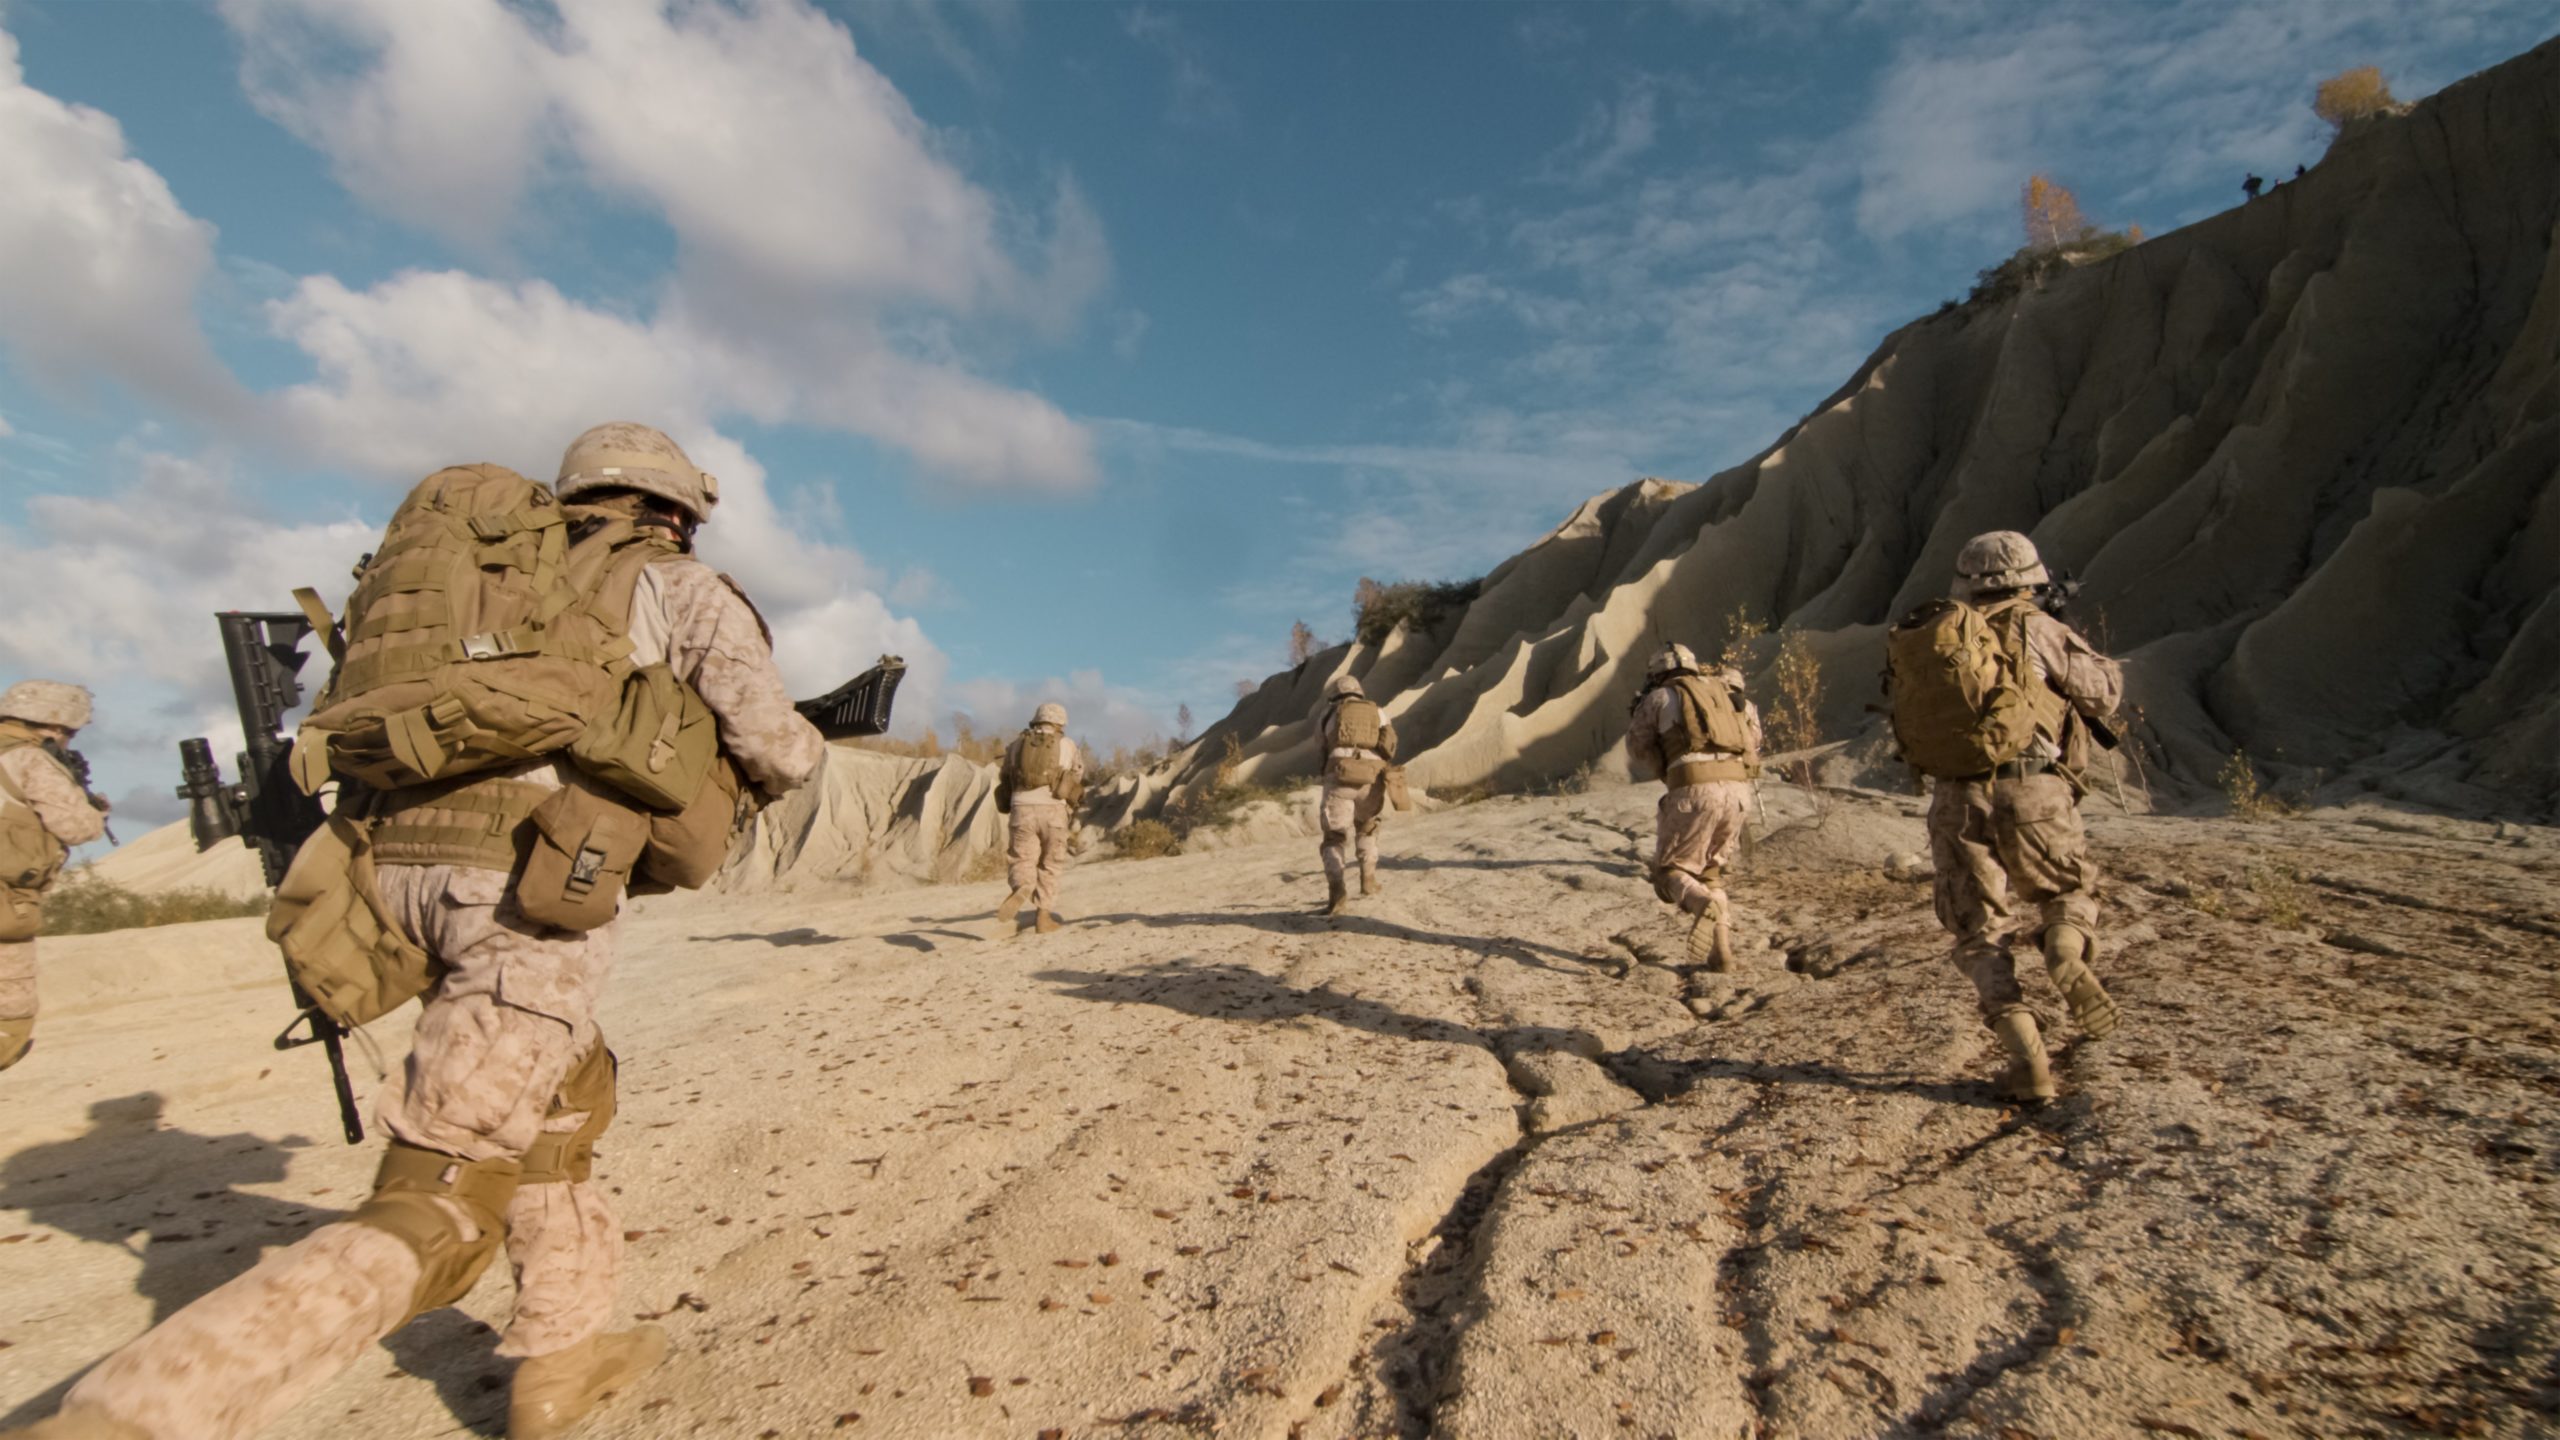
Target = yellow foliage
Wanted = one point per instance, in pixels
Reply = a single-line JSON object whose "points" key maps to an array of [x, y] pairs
{"points": [[2351, 95], [2051, 212], [1795, 714]]}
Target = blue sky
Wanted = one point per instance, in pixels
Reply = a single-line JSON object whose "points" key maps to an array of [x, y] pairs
{"points": [[1070, 349]]}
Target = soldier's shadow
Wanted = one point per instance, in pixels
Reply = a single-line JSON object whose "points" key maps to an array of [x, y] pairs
{"points": [[1293, 922], [168, 1197]]}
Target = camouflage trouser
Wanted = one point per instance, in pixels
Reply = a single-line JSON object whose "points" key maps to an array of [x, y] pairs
{"points": [[1346, 811], [17, 979], [1036, 855], [1991, 840], [514, 1012], [1696, 829]]}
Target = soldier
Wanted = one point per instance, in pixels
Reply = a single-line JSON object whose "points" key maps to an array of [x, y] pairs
{"points": [[1359, 745], [1694, 729], [1039, 787], [2009, 828], [44, 812], [508, 1082]]}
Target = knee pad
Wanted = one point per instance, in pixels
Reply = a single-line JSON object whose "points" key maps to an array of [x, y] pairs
{"points": [[405, 1192], [570, 1155], [17, 1037]]}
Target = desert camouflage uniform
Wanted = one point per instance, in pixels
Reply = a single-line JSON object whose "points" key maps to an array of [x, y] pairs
{"points": [[1040, 826], [1347, 811], [1696, 827], [512, 1017], [64, 811], [2019, 837]]}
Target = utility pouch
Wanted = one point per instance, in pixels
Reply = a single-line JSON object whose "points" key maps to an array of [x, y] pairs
{"points": [[658, 744], [687, 848], [584, 845], [1397, 794], [338, 945], [1358, 769], [21, 913]]}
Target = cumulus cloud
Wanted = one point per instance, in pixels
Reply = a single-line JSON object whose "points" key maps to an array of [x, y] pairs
{"points": [[1098, 712], [99, 263]]}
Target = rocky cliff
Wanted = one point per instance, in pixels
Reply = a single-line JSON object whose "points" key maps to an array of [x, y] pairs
{"points": [[2305, 456]]}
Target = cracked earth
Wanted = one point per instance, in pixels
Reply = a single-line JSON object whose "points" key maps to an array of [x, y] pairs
{"points": [[1480, 1159]]}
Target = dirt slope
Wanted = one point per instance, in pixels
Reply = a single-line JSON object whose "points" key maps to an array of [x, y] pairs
{"points": [[1466, 1162], [2305, 455]]}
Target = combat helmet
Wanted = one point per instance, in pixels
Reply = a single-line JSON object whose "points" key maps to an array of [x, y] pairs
{"points": [[46, 702], [2000, 560], [1341, 685], [620, 455], [1052, 713], [1671, 660]]}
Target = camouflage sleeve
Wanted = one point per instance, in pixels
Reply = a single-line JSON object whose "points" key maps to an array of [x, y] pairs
{"points": [[1324, 731], [1071, 755], [57, 799], [1751, 724], [2092, 683], [717, 645], [1387, 738], [1644, 736]]}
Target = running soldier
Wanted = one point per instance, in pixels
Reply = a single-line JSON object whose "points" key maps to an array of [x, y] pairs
{"points": [[508, 1082], [2000, 705], [1359, 747], [44, 812], [1039, 787], [1694, 729]]}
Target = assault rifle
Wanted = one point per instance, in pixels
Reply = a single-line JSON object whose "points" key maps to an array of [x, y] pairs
{"points": [[859, 706], [78, 764], [2056, 596], [266, 810]]}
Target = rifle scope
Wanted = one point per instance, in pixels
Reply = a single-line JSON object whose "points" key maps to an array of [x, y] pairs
{"points": [[213, 808]]}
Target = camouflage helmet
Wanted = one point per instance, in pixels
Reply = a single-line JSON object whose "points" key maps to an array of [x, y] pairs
{"points": [[1671, 659], [1052, 713], [1341, 685], [2000, 560], [620, 455], [46, 702]]}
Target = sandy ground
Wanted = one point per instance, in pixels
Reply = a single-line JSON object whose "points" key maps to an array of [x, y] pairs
{"points": [[1471, 1161]]}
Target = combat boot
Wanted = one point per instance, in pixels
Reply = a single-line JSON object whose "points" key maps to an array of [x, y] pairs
{"points": [[2067, 952], [1044, 922], [554, 1392], [80, 1424], [1336, 895], [1013, 904], [1369, 876], [1702, 942], [2030, 1077], [17, 1037]]}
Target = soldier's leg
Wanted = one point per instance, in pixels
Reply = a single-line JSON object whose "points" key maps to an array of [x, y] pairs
{"points": [[1368, 812], [2047, 854], [17, 999], [1335, 817], [1683, 874], [1052, 824], [1022, 865], [1971, 894]]}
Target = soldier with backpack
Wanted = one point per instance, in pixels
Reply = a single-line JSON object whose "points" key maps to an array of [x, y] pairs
{"points": [[540, 699], [1999, 704], [1359, 749], [1038, 787], [1693, 728], [44, 811]]}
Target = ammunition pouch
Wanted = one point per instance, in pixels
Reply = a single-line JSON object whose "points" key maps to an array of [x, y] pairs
{"points": [[583, 847], [21, 913], [1348, 765], [30, 857], [658, 745], [558, 1156], [1398, 794], [404, 1206], [687, 848], [339, 945], [1699, 772]]}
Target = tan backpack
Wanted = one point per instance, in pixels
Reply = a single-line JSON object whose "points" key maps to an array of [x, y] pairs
{"points": [[1965, 696], [30, 856], [480, 636], [1709, 718], [1357, 723]]}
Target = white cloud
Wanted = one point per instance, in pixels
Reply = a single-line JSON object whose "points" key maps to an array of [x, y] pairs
{"points": [[1099, 713], [1610, 139], [1199, 97], [99, 263]]}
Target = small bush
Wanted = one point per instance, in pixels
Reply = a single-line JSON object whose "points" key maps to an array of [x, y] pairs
{"points": [[1148, 839], [2352, 95], [1377, 608], [1795, 713], [1740, 629], [85, 904], [2279, 889], [2249, 800]]}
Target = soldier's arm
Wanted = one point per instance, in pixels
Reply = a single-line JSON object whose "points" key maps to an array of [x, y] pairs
{"points": [[717, 645], [2092, 683], [60, 804], [1644, 737], [1386, 738], [1751, 726]]}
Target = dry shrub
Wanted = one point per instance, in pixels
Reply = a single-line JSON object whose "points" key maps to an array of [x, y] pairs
{"points": [[1148, 839], [1740, 629], [2249, 800], [1795, 711], [85, 904], [1302, 643], [2279, 889], [1377, 607], [2351, 95], [2052, 214]]}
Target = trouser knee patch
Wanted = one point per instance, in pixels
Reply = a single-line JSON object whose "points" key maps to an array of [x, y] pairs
{"points": [[1666, 882], [570, 1155], [404, 1207]]}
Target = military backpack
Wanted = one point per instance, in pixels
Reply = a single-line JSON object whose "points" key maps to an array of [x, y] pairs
{"points": [[1357, 723], [30, 856], [1965, 697], [1710, 718]]}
